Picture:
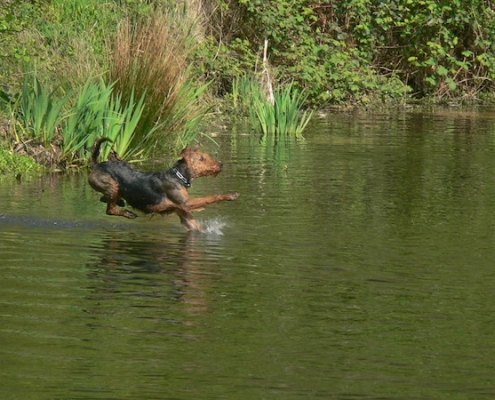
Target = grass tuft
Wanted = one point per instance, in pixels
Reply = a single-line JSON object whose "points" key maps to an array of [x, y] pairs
{"points": [[150, 57], [98, 112], [39, 111], [283, 116]]}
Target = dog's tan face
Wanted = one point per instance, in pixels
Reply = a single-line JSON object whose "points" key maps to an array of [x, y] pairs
{"points": [[201, 164]]}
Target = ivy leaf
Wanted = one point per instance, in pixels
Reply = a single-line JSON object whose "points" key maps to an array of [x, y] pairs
{"points": [[442, 71], [452, 85], [431, 80]]}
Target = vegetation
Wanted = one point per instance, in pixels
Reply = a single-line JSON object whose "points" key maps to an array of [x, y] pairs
{"points": [[147, 72], [37, 111], [277, 113], [360, 51], [11, 161], [98, 111], [150, 59], [146, 61]]}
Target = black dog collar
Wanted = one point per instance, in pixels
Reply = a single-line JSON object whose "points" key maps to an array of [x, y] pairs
{"points": [[185, 181]]}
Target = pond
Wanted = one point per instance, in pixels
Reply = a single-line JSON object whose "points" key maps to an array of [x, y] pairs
{"points": [[358, 263]]}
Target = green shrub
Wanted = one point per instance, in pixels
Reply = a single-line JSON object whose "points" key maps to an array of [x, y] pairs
{"points": [[359, 51], [10, 161], [442, 48]]}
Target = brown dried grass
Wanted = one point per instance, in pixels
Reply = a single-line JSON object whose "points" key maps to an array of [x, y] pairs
{"points": [[150, 56]]}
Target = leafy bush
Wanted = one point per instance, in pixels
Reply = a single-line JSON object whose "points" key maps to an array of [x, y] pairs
{"points": [[307, 46], [359, 50], [442, 48]]}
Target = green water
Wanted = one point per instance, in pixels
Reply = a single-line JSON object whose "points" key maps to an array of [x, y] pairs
{"points": [[356, 264]]}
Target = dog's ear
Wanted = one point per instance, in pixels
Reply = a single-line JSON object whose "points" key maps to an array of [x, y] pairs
{"points": [[185, 152], [189, 149]]}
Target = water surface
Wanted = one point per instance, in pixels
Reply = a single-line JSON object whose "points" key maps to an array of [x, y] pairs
{"points": [[356, 264]]}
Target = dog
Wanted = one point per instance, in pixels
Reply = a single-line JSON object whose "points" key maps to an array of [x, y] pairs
{"points": [[155, 192]]}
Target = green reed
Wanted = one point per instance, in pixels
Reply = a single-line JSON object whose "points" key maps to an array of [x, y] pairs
{"points": [[38, 110], [96, 112], [76, 120], [284, 116]]}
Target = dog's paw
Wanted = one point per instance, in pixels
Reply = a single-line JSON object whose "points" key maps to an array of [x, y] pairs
{"points": [[129, 214], [232, 196]]}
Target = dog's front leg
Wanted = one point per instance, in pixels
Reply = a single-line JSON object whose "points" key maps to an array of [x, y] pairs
{"points": [[188, 220], [201, 202]]}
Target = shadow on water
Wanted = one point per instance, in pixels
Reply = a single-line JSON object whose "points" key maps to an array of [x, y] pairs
{"points": [[7, 221]]}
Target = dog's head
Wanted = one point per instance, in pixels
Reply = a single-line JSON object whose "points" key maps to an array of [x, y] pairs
{"points": [[200, 164]]}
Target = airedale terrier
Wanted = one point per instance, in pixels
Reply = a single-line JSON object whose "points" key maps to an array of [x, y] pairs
{"points": [[155, 192]]}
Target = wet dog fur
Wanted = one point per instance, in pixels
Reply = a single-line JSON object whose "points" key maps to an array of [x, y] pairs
{"points": [[155, 192]]}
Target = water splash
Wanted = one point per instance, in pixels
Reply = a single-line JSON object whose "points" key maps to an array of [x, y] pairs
{"points": [[213, 226]]}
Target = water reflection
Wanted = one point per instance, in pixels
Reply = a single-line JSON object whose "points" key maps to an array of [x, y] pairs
{"points": [[138, 265]]}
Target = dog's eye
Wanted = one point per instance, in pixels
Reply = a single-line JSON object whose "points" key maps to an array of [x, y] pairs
{"points": [[201, 158]]}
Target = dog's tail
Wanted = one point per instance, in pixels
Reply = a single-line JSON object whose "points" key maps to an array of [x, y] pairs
{"points": [[96, 150]]}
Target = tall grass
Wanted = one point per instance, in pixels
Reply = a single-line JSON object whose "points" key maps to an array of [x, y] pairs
{"points": [[75, 121], [85, 120], [150, 56], [284, 116], [98, 111], [38, 110]]}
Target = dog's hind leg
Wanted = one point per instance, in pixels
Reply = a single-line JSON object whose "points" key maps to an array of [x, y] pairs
{"points": [[120, 203], [112, 209], [104, 183]]}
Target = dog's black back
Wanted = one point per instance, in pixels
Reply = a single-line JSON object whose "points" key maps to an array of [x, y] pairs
{"points": [[140, 189], [155, 192]]}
